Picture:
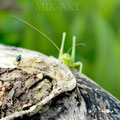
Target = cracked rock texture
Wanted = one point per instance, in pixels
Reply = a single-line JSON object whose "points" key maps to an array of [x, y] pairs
{"points": [[87, 101]]}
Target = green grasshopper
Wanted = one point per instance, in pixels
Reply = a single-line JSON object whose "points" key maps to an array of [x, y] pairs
{"points": [[66, 58]]}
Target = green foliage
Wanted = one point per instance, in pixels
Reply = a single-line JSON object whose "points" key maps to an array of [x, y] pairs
{"points": [[94, 22]]}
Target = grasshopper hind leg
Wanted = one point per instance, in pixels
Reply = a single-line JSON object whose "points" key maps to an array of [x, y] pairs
{"points": [[62, 45]]}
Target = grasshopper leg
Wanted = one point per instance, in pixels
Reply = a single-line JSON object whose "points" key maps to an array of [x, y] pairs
{"points": [[80, 66], [73, 50], [62, 45]]}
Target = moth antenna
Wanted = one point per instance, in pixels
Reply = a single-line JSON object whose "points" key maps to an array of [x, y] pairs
{"points": [[75, 45], [37, 30]]}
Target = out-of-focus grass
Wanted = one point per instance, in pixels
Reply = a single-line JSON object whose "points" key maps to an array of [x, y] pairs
{"points": [[95, 23]]}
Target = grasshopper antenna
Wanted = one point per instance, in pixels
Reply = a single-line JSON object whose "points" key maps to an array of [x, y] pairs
{"points": [[38, 31], [76, 45]]}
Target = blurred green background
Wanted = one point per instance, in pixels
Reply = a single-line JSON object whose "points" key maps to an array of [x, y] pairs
{"points": [[94, 22]]}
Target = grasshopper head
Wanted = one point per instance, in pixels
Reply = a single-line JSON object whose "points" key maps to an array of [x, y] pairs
{"points": [[65, 58]]}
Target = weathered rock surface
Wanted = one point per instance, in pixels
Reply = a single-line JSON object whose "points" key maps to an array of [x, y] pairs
{"points": [[87, 101]]}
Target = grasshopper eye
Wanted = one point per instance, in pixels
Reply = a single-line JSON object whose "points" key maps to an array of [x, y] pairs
{"points": [[18, 58]]}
